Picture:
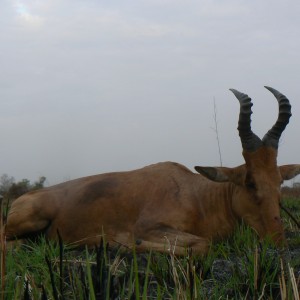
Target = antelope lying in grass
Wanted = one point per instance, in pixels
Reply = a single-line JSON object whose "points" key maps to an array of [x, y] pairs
{"points": [[166, 204]]}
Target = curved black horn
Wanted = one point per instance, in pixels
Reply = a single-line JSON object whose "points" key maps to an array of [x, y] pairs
{"points": [[272, 137], [250, 141]]}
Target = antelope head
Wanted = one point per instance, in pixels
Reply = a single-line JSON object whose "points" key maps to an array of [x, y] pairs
{"points": [[258, 199]]}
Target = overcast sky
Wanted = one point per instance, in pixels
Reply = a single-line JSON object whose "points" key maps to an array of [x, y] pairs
{"points": [[88, 87]]}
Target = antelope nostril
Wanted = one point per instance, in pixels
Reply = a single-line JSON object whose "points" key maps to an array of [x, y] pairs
{"points": [[277, 219]]}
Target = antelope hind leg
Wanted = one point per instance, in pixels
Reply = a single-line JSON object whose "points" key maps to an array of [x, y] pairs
{"points": [[23, 221]]}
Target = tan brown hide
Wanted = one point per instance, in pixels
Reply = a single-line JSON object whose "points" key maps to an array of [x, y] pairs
{"points": [[151, 206], [166, 207]]}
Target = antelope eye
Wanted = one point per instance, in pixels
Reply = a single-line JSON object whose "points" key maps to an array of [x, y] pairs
{"points": [[251, 185]]}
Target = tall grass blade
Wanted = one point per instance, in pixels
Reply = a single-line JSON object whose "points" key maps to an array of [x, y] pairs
{"points": [[145, 288], [3, 250], [44, 294], [294, 283], [89, 277], [54, 290], [26, 292], [136, 276], [61, 256], [282, 284]]}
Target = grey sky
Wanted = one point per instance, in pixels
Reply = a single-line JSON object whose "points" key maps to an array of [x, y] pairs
{"points": [[95, 86]]}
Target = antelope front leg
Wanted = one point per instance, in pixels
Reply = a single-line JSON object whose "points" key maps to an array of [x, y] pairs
{"points": [[171, 241]]}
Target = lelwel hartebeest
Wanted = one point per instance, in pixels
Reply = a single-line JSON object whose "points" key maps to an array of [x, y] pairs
{"points": [[167, 204]]}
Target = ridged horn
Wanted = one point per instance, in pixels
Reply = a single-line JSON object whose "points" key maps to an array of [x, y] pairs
{"points": [[250, 141], [272, 137]]}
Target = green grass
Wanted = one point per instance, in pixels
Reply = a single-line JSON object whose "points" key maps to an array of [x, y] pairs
{"points": [[238, 268]]}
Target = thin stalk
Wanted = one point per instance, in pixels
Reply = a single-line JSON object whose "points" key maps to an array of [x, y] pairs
{"points": [[216, 130]]}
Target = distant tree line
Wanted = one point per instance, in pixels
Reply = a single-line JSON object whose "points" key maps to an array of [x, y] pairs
{"points": [[291, 192], [11, 189]]}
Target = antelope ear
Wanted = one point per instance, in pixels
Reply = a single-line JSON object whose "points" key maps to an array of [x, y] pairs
{"points": [[289, 171], [222, 174], [212, 173]]}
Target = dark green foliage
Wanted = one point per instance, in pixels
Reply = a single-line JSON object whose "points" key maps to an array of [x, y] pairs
{"points": [[10, 189]]}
